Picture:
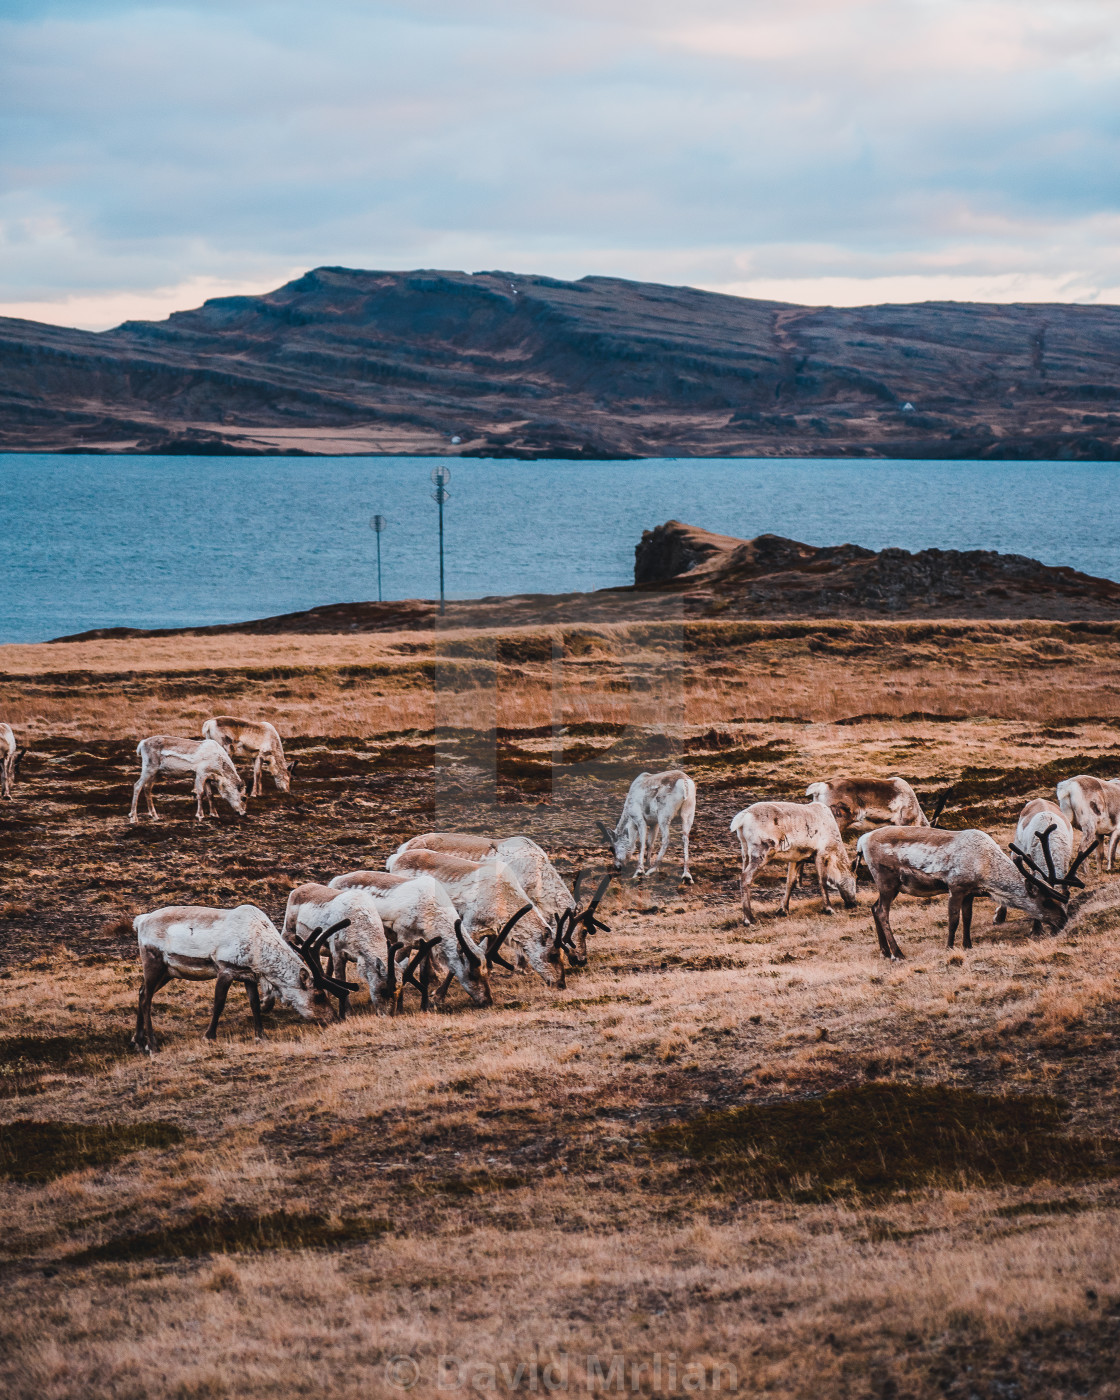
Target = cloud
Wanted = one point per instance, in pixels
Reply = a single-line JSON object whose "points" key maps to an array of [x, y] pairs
{"points": [[153, 150]]}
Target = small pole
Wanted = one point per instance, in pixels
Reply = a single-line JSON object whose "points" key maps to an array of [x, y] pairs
{"points": [[441, 475], [377, 524]]}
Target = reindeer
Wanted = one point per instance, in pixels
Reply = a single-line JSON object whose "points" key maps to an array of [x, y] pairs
{"points": [[10, 758], [208, 761], [361, 939], [1093, 806], [538, 876], [871, 802], [1043, 832], [789, 833], [654, 799], [229, 945], [487, 894], [255, 737], [963, 864], [418, 912]]}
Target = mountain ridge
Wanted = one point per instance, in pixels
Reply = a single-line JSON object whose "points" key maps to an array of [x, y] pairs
{"points": [[350, 361]]}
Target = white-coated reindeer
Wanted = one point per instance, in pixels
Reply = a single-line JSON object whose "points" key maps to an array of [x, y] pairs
{"points": [[654, 800], [227, 945], [871, 802], [490, 899], [538, 876], [963, 864], [360, 939], [213, 771], [788, 833], [10, 756], [1044, 833], [1093, 806], [418, 912], [254, 738]]}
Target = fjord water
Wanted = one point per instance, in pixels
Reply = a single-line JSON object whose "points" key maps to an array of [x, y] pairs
{"points": [[105, 541]]}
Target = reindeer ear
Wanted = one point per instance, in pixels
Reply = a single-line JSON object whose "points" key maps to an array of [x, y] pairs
{"points": [[607, 832]]}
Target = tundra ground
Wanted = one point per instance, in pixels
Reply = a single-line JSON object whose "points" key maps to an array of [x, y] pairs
{"points": [[759, 1156]]}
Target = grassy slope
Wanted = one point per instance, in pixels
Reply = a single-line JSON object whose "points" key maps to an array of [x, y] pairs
{"points": [[486, 1183]]}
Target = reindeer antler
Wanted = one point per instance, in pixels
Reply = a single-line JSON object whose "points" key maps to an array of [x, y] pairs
{"points": [[940, 807], [474, 961], [495, 941], [1071, 873], [1044, 842]]}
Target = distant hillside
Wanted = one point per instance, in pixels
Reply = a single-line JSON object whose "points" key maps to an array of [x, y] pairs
{"points": [[348, 361]]}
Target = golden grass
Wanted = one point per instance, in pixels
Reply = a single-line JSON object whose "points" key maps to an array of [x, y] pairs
{"points": [[491, 1178]]}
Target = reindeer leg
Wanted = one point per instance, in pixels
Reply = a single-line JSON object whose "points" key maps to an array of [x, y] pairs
{"points": [[255, 1007], [1000, 915], [750, 870], [966, 921], [641, 870], [819, 863], [156, 976], [955, 901], [133, 817], [663, 831], [256, 790], [221, 990], [791, 875], [445, 986], [1114, 841], [881, 913], [686, 827], [199, 793]]}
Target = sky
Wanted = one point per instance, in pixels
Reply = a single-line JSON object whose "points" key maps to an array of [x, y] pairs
{"points": [[819, 151]]}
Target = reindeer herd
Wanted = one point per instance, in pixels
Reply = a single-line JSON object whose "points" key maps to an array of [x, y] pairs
{"points": [[449, 907]]}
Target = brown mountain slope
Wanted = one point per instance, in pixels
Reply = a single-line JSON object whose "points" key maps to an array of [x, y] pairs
{"points": [[350, 361]]}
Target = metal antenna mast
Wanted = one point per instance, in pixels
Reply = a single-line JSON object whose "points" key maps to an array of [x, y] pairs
{"points": [[441, 475], [377, 524]]}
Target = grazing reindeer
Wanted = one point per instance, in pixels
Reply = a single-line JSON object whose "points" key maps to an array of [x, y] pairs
{"points": [[871, 802], [538, 876], [229, 945], [654, 799], [255, 737], [789, 833], [1043, 833], [208, 761], [962, 864], [489, 897], [1093, 806], [10, 758], [361, 939], [418, 911]]}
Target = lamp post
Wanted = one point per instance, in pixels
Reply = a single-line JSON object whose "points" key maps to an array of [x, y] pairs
{"points": [[377, 524], [441, 475]]}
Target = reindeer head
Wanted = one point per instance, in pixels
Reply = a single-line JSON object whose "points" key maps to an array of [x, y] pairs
{"points": [[231, 789], [282, 772], [1050, 891], [475, 978], [299, 994], [620, 842], [838, 873]]}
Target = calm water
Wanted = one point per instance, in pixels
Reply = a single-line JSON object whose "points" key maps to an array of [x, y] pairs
{"points": [[170, 541]]}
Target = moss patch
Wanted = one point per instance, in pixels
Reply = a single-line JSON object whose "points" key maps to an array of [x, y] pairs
{"points": [[32, 1151], [232, 1232], [877, 1139]]}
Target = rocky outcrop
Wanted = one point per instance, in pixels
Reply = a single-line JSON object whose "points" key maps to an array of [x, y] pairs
{"points": [[774, 577], [500, 364]]}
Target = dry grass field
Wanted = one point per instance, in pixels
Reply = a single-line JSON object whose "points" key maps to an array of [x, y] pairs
{"points": [[722, 1159]]}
